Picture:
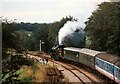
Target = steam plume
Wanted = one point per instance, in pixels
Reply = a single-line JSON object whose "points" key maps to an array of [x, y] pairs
{"points": [[71, 34]]}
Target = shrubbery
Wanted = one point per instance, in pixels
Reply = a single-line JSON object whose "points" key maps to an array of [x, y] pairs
{"points": [[11, 65]]}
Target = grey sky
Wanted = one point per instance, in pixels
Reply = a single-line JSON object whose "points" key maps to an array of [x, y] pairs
{"points": [[45, 11]]}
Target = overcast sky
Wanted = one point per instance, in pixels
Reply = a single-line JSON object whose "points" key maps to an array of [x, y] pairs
{"points": [[45, 11]]}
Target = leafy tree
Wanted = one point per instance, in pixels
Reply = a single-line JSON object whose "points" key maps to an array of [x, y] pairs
{"points": [[103, 27], [27, 26], [54, 29], [25, 40], [41, 33], [10, 39], [10, 64]]}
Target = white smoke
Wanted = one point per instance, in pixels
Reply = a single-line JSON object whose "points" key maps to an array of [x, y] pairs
{"points": [[71, 34]]}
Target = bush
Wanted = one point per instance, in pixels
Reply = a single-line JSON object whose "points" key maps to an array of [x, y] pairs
{"points": [[11, 65]]}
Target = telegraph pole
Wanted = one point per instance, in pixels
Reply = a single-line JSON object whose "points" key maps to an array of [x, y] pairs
{"points": [[41, 45]]}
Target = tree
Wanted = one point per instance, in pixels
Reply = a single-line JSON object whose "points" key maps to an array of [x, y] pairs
{"points": [[41, 33], [25, 40], [10, 39], [54, 29], [103, 28]]}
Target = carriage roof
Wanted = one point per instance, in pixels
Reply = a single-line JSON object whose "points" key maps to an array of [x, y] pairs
{"points": [[118, 63], [89, 52], [72, 49], [108, 57]]}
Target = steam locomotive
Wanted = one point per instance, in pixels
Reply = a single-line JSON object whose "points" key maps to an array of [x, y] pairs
{"points": [[104, 63]]}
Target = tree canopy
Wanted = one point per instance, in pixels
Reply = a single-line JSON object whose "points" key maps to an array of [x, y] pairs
{"points": [[103, 29], [10, 39], [26, 36]]}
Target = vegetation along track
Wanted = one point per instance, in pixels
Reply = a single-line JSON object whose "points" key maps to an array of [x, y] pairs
{"points": [[77, 73]]}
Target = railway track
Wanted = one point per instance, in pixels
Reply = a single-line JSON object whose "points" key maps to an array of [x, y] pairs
{"points": [[75, 74], [80, 75]]}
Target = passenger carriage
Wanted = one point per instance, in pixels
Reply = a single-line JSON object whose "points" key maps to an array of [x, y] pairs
{"points": [[71, 54], [87, 57], [104, 63], [117, 71]]}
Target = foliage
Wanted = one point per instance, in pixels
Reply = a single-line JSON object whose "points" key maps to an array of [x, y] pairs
{"points": [[26, 36], [27, 80], [10, 39], [40, 33], [25, 40], [48, 34], [103, 27], [27, 26], [11, 65]]}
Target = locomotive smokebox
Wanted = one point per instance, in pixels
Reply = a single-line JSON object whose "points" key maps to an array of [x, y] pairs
{"points": [[61, 46], [58, 47]]}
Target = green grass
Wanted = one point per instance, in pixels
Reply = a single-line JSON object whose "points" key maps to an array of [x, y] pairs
{"points": [[21, 73], [18, 72], [6, 76]]}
